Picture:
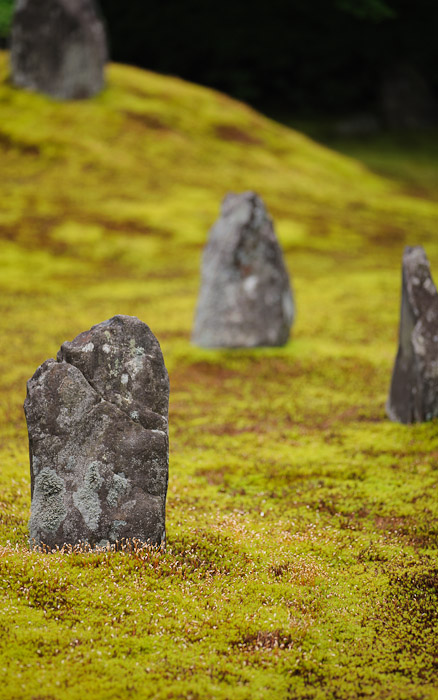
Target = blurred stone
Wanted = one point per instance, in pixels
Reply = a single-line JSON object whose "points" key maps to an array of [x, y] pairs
{"points": [[245, 298], [98, 438], [58, 47], [413, 395], [357, 125], [407, 99]]}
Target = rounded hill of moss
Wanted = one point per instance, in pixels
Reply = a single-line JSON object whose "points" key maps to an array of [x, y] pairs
{"points": [[152, 156]]}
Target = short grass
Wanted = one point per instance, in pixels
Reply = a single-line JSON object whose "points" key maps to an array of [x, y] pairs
{"points": [[302, 525]]}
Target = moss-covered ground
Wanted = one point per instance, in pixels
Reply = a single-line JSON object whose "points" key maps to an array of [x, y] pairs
{"points": [[302, 524]]}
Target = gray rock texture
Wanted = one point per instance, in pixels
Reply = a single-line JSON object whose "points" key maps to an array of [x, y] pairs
{"points": [[413, 395], [245, 298], [98, 438], [58, 47]]}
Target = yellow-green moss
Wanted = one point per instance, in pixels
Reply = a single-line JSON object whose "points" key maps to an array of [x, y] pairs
{"points": [[302, 525]]}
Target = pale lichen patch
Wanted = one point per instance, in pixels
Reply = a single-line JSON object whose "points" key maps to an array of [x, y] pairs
{"points": [[35, 465], [115, 529], [86, 499], [48, 509], [119, 488]]}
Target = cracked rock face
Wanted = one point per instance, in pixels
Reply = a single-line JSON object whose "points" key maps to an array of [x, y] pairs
{"points": [[245, 298], [58, 47], [98, 438], [413, 395]]}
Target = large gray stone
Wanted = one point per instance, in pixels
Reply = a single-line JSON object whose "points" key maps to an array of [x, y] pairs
{"points": [[98, 438], [58, 47], [245, 298], [413, 395]]}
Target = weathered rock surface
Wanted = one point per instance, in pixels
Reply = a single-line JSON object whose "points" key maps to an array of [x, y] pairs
{"points": [[413, 395], [58, 47], [245, 298], [98, 438]]}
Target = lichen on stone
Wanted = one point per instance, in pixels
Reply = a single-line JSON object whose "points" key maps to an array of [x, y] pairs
{"points": [[35, 464], [48, 508], [119, 488], [86, 499], [115, 529]]}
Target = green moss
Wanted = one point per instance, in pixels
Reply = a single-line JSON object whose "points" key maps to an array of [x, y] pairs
{"points": [[302, 525]]}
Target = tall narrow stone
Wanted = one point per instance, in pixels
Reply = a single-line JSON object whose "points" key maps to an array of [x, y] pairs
{"points": [[245, 298], [98, 438], [413, 395], [58, 47]]}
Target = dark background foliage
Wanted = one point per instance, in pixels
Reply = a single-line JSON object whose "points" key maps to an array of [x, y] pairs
{"points": [[299, 57], [304, 56]]}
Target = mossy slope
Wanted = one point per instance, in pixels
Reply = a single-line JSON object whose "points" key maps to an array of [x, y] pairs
{"points": [[302, 525]]}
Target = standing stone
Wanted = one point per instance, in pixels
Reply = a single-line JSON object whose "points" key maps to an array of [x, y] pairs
{"points": [[58, 47], [245, 298], [98, 438], [413, 395]]}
